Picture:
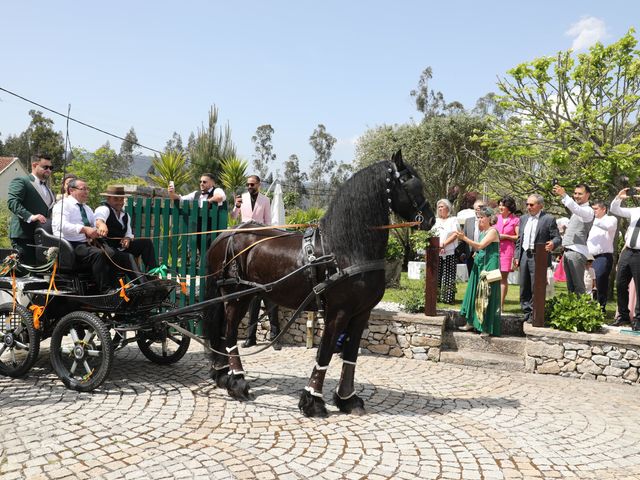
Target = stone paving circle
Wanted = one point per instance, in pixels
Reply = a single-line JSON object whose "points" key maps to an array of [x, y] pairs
{"points": [[424, 420]]}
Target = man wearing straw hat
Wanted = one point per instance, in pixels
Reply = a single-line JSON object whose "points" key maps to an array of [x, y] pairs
{"points": [[115, 226]]}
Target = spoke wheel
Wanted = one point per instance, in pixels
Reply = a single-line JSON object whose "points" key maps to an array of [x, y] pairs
{"points": [[81, 351], [163, 345], [19, 340]]}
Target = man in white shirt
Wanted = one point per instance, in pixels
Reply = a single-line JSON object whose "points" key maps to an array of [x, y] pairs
{"points": [[208, 192], [536, 227], [629, 261], [75, 222], [600, 245], [112, 221], [575, 237]]}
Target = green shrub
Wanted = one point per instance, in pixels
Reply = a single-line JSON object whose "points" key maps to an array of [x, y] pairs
{"points": [[395, 249], [412, 300], [5, 218], [574, 313], [312, 215], [419, 241]]}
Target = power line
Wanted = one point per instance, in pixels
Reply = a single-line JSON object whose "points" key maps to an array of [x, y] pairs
{"points": [[79, 121]]}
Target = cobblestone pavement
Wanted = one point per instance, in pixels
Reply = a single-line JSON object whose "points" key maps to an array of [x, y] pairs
{"points": [[424, 420]]}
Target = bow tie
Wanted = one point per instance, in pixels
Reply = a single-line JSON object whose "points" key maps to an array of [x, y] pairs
{"points": [[206, 192], [42, 182]]}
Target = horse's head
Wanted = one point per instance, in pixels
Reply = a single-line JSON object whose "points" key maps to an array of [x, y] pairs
{"points": [[406, 195]]}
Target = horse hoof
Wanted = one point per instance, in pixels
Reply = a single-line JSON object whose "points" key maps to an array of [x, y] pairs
{"points": [[353, 405], [238, 388], [312, 406]]}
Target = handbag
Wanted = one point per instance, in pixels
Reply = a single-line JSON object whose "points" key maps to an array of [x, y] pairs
{"points": [[492, 275]]}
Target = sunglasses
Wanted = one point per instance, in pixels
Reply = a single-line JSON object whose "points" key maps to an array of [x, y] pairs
{"points": [[531, 204], [83, 189], [203, 181], [250, 184], [46, 167]]}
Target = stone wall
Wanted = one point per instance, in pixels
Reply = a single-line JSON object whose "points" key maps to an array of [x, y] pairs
{"points": [[390, 333], [609, 357]]}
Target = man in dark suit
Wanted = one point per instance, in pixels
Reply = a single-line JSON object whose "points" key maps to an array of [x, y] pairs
{"points": [[535, 227], [30, 200]]}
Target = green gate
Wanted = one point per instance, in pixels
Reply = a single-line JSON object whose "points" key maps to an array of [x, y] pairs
{"points": [[174, 227]]}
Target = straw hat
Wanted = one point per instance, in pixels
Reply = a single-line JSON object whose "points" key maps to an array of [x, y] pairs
{"points": [[115, 191]]}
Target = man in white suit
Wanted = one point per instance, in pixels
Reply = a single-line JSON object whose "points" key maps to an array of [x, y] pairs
{"points": [[255, 206]]}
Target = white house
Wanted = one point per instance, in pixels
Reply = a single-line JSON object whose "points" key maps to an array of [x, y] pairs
{"points": [[10, 168]]}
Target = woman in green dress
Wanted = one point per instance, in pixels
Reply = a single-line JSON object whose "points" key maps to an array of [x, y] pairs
{"points": [[481, 304]]}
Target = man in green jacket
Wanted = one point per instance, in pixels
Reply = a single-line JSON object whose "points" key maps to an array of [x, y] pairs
{"points": [[30, 200]]}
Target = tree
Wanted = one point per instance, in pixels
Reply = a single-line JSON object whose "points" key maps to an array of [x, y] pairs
{"points": [[211, 146], [128, 149], [322, 143], [294, 187], [39, 137], [175, 143], [263, 149], [574, 117], [95, 168], [442, 149], [233, 176], [171, 166]]}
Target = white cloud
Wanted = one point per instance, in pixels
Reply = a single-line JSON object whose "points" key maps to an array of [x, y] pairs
{"points": [[586, 32]]}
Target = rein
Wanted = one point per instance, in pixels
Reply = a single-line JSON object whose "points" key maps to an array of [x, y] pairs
{"points": [[317, 290]]}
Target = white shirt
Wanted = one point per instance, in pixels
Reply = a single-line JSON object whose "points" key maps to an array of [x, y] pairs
{"points": [[103, 212], [66, 217], [602, 234], [529, 234], [445, 227], [203, 197], [584, 213], [633, 214]]}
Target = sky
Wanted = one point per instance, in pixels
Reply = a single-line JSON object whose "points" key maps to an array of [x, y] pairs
{"points": [[349, 65]]}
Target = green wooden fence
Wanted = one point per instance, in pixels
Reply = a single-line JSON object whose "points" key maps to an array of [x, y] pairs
{"points": [[174, 227]]}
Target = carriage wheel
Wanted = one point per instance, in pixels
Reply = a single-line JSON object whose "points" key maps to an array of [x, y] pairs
{"points": [[162, 344], [19, 340], [81, 351]]}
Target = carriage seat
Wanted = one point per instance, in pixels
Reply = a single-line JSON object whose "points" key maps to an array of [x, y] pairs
{"points": [[44, 239], [67, 262]]}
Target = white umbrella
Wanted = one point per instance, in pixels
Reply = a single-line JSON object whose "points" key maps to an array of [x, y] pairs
{"points": [[277, 206]]}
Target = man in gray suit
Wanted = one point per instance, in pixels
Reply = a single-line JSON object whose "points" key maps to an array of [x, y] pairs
{"points": [[535, 227]]}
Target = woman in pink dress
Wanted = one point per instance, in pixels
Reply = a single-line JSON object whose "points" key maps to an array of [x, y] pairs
{"points": [[507, 226]]}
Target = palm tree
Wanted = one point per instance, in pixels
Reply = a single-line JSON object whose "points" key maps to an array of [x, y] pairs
{"points": [[233, 173], [171, 166]]}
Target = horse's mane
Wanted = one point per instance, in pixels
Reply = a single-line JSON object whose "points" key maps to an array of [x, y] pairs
{"points": [[359, 204]]}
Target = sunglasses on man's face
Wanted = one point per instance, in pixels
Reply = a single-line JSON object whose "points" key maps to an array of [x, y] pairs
{"points": [[47, 167], [250, 184], [531, 204]]}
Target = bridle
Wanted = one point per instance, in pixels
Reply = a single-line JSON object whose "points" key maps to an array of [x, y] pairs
{"points": [[403, 178]]}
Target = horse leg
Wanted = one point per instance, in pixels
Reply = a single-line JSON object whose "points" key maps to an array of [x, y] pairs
{"points": [[311, 403], [345, 397], [237, 386], [213, 328]]}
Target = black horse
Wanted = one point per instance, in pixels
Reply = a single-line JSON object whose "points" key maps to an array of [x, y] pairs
{"points": [[348, 232]]}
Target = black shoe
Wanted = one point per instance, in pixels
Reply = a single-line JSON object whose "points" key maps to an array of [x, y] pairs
{"points": [[276, 346], [619, 322], [249, 342], [636, 326]]}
